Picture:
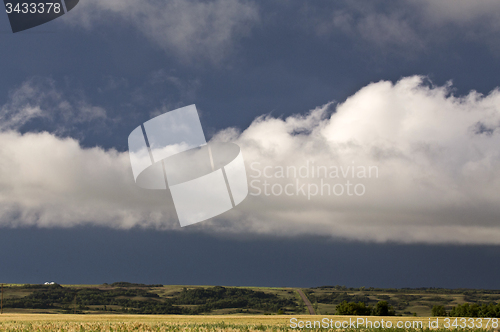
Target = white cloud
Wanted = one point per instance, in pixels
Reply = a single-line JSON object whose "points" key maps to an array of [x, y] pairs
{"points": [[48, 181], [437, 157], [189, 28], [38, 98], [438, 176]]}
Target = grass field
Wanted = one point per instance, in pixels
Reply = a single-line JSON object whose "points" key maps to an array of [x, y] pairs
{"points": [[149, 294], [406, 302], [176, 323], [127, 299]]}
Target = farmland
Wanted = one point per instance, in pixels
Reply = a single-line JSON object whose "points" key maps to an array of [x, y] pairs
{"points": [[406, 302], [176, 323], [127, 298]]}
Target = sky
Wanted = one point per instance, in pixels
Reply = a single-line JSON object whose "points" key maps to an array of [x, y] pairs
{"points": [[396, 102]]}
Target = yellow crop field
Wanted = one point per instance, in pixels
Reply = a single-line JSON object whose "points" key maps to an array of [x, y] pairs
{"points": [[177, 323], [171, 323]]}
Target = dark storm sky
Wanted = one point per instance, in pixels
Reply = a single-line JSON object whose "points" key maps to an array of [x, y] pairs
{"points": [[289, 58]]}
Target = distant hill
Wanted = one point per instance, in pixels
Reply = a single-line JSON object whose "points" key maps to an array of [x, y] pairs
{"points": [[123, 297], [133, 298]]}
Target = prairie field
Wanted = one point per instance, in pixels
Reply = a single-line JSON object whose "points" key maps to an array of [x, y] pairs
{"points": [[128, 299], [136, 307], [177, 323]]}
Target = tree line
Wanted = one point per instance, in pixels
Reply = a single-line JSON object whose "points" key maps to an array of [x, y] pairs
{"points": [[200, 300], [382, 308]]}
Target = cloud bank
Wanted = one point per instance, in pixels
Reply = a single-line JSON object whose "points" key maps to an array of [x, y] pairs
{"points": [[436, 156]]}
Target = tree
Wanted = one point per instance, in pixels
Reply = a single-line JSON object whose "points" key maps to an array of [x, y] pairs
{"points": [[438, 310], [382, 308], [353, 308]]}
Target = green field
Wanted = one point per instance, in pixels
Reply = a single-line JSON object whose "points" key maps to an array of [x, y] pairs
{"points": [[406, 302], [126, 298]]}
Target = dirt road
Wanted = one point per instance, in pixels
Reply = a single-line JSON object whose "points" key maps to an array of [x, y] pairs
{"points": [[306, 301]]}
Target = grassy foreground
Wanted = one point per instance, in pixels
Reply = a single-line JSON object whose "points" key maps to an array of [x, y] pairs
{"points": [[176, 323]]}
